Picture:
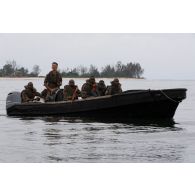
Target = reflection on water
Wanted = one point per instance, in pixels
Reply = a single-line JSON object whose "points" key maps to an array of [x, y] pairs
{"points": [[84, 140], [136, 122]]}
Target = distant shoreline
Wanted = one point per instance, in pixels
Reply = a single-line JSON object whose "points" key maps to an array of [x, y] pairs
{"points": [[1, 78]]}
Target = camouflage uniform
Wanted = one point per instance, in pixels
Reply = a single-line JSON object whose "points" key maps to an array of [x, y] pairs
{"points": [[29, 93], [71, 91], [115, 88], [86, 89], [53, 80], [89, 88], [101, 87]]}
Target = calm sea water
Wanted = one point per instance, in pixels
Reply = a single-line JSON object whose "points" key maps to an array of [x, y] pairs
{"points": [[59, 139]]}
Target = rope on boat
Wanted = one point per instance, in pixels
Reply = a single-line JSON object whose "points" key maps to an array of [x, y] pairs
{"points": [[169, 97]]}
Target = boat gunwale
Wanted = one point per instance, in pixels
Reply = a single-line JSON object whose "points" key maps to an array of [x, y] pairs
{"points": [[128, 92], [147, 97]]}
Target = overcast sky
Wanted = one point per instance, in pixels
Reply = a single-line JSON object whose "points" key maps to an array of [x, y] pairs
{"points": [[163, 56]]}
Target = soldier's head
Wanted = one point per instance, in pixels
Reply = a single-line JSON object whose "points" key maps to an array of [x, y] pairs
{"points": [[54, 66], [71, 82], [87, 81], [101, 82], [30, 85], [115, 81], [92, 79]]}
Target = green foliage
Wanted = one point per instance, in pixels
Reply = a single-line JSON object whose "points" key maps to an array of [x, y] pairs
{"points": [[21, 72], [108, 71], [36, 71], [93, 70], [10, 69], [129, 70], [72, 73], [7, 70]]}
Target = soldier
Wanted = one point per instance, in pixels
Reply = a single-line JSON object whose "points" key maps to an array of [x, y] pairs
{"points": [[29, 93], [115, 88], [89, 88], [94, 90], [71, 91], [101, 87], [86, 89], [52, 82]]}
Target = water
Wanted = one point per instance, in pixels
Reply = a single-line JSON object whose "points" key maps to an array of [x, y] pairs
{"points": [[59, 139]]}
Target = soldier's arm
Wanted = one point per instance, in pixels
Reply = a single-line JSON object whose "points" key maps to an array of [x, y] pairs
{"points": [[25, 97], [46, 80], [82, 88], [65, 93], [84, 94], [59, 83], [78, 92], [46, 83], [36, 93]]}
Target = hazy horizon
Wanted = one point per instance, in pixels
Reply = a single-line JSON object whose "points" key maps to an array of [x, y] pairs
{"points": [[163, 56]]}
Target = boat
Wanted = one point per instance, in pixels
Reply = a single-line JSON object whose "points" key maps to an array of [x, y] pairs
{"points": [[129, 104]]}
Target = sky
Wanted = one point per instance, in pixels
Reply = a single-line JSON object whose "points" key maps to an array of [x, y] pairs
{"points": [[163, 56]]}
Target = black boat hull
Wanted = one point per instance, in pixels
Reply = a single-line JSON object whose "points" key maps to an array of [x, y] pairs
{"points": [[130, 104]]}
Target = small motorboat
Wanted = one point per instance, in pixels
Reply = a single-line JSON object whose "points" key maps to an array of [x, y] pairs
{"points": [[127, 105]]}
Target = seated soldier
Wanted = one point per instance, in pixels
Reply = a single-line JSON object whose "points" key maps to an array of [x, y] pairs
{"points": [[115, 88], [101, 87], [29, 93], [71, 91], [94, 90], [89, 88], [86, 89]]}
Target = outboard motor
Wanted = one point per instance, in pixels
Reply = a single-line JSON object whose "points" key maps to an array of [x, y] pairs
{"points": [[13, 98]]}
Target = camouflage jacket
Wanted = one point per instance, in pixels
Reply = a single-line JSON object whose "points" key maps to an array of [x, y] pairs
{"points": [[101, 89], [89, 89], [86, 89], [53, 80], [70, 91], [29, 94], [113, 89]]}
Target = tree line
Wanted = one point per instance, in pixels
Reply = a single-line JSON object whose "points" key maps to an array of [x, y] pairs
{"points": [[129, 70], [11, 69]]}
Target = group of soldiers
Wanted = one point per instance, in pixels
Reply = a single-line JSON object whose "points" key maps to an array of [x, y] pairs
{"points": [[53, 81]]}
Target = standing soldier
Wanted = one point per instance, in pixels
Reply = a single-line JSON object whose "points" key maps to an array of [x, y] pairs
{"points": [[115, 88], [101, 87], [71, 91], [52, 82], [29, 93]]}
